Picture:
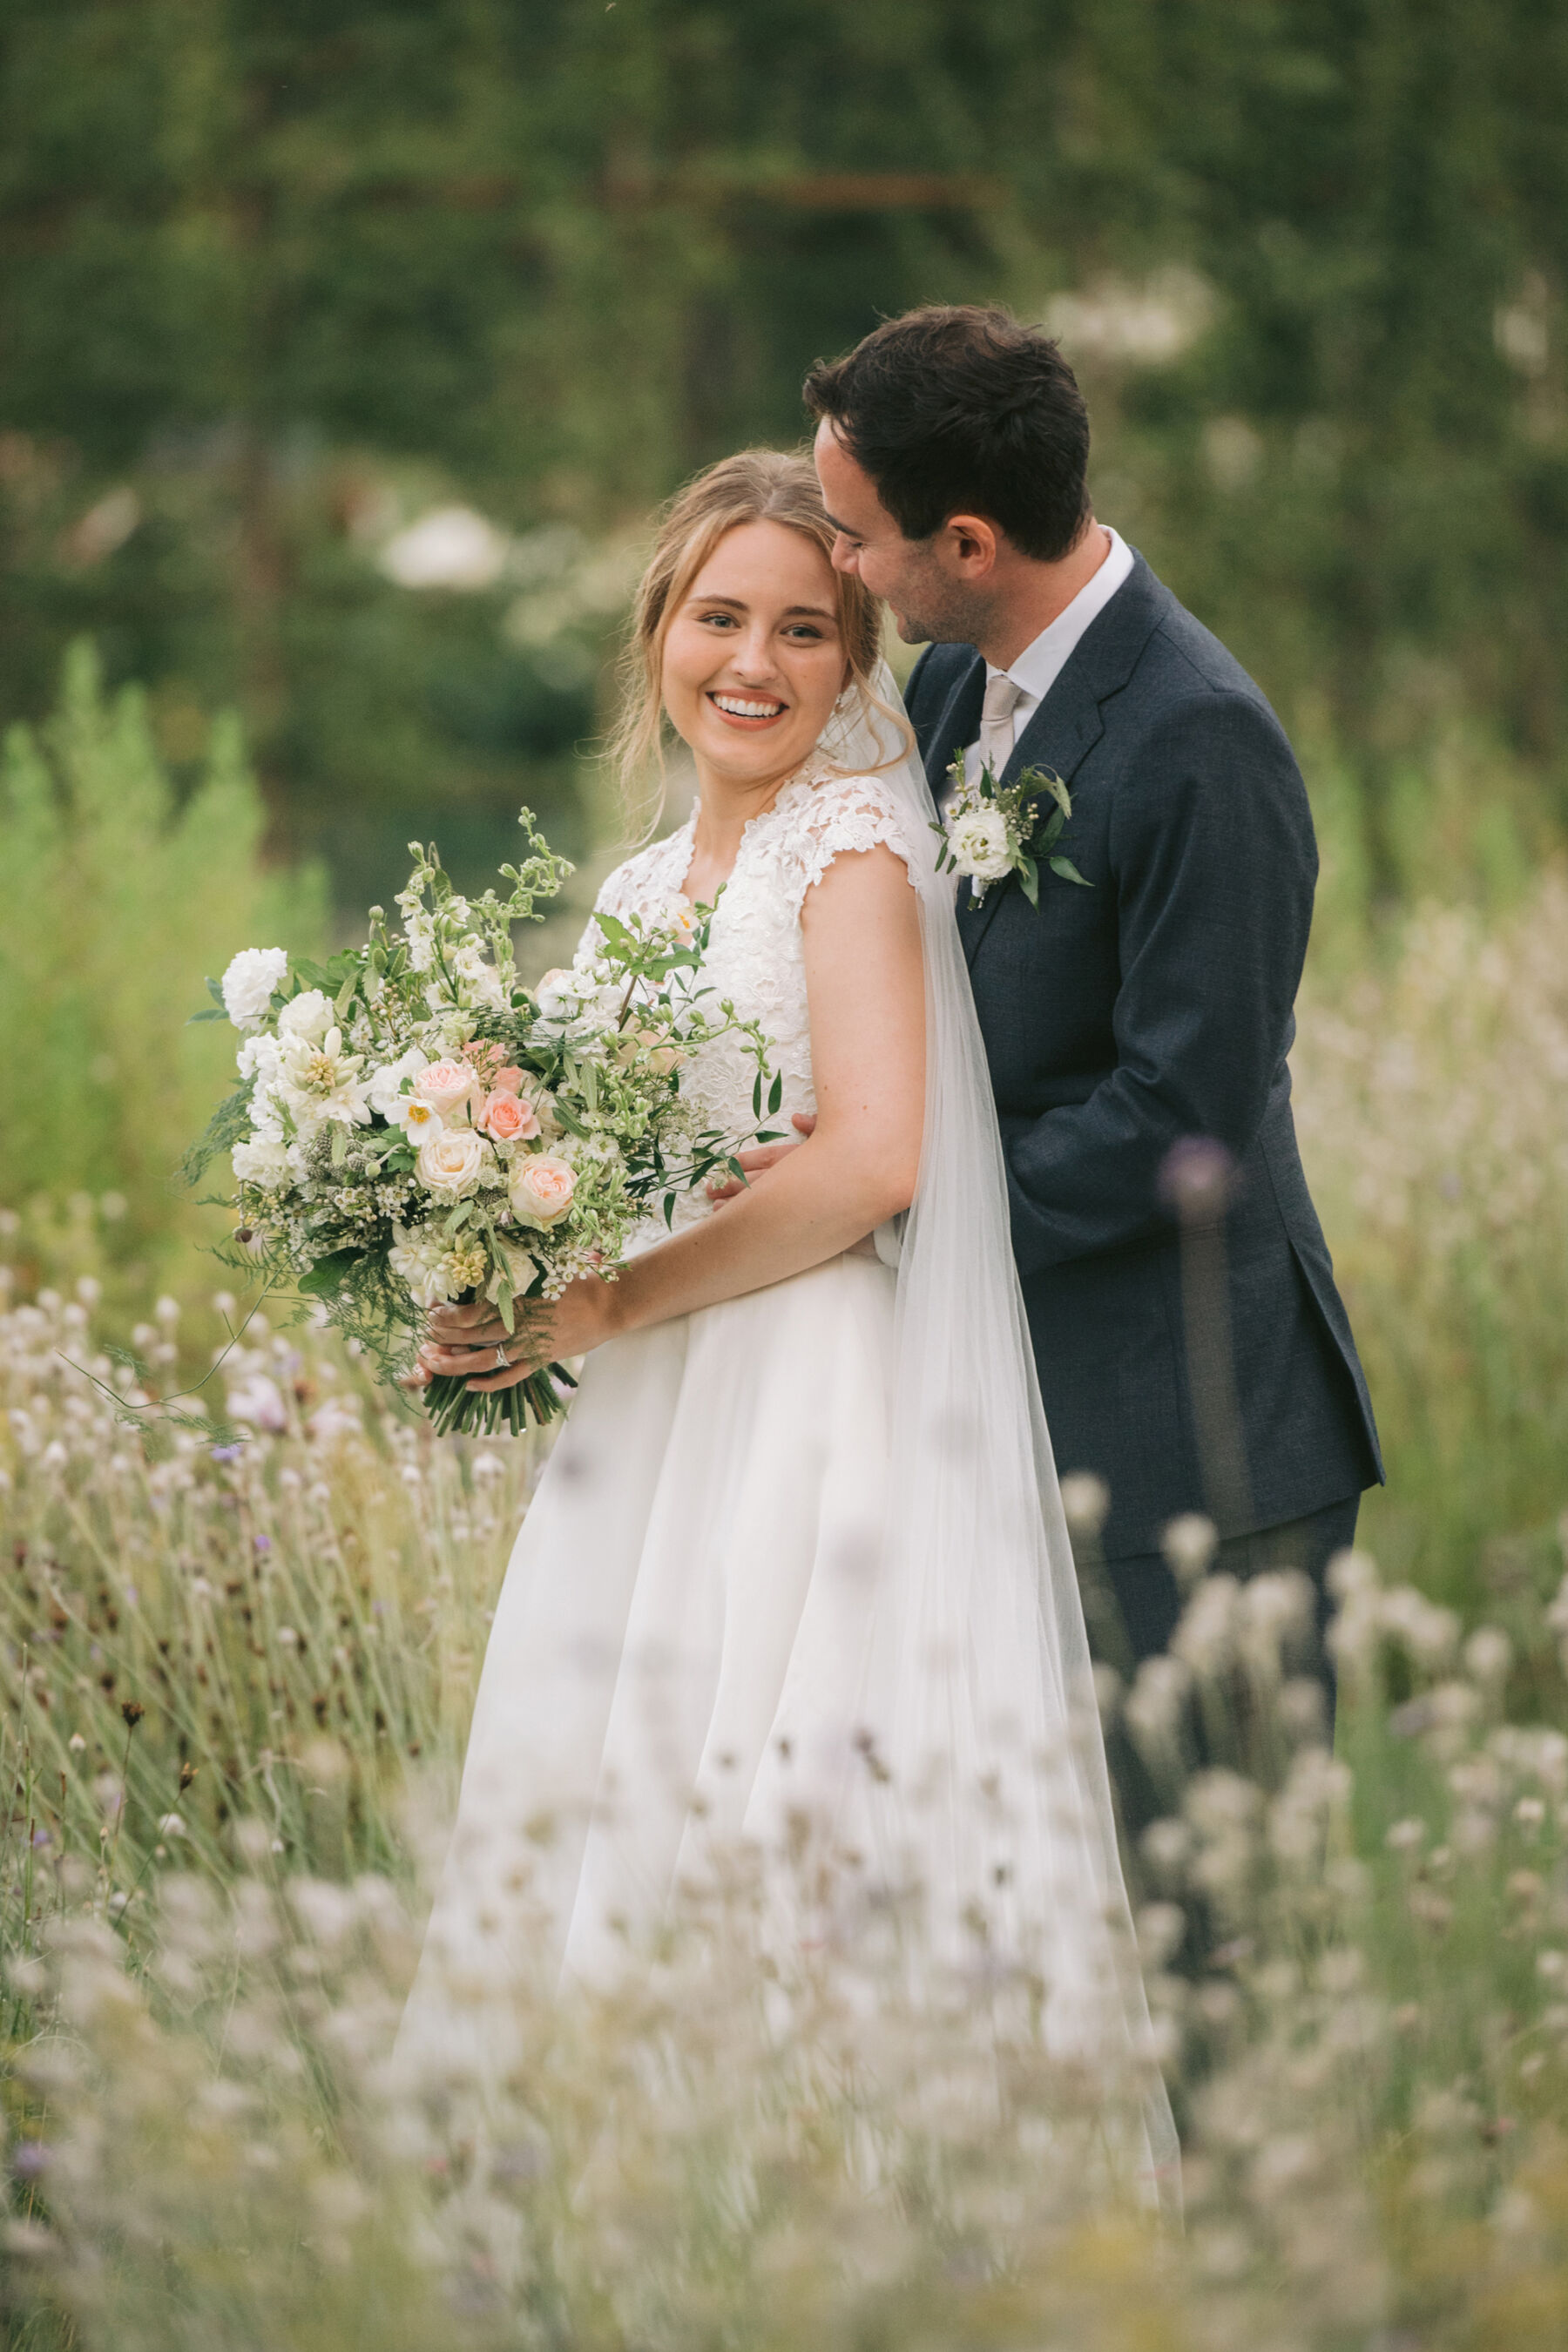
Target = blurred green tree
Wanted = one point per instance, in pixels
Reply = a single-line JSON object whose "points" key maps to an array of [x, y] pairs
{"points": [[282, 276]]}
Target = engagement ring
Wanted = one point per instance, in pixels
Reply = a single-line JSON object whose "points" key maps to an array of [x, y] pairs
{"points": [[503, 1361]]}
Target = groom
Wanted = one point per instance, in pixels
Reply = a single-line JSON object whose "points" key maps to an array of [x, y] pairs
{"points": [[1192, 1350]]}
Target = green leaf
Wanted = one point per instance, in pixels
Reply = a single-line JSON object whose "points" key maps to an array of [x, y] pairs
{"points": [[216, 992], [757, 1097], [1029, 880], [327, 1276], [207, 1012], [340, 1147], [346, 994], [776, 1094], [1069, 873], [669, 1211]]}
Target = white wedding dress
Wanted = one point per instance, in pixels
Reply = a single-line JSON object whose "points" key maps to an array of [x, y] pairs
{"points": [[799, 1555]]}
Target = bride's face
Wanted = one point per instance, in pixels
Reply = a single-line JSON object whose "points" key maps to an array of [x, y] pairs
{"points": [[754, 659]]}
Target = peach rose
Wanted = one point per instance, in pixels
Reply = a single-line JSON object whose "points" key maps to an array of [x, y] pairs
{"points": [[506, 1117], [447, 1086], [541, 1189]]}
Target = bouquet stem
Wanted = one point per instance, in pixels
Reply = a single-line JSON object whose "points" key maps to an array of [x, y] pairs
{"points": [[452, 1405]]}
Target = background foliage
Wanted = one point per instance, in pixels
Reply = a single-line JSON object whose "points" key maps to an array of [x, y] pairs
{"points": [[280, 278]]}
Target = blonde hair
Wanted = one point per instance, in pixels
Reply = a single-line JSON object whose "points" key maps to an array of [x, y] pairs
{"points": [[754, 486]]}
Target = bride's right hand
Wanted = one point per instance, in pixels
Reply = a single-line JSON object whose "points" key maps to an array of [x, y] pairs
{"points": [[761, 1156]]}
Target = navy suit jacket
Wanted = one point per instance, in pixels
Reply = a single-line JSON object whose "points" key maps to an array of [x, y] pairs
{"points": [[1155, 1005]]}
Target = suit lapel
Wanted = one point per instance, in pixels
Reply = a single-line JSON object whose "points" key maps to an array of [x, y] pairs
{"points": [[958, 723], [1069, 723]]}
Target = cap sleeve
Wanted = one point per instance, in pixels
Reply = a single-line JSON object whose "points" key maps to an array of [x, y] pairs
{"points": [[846, 814]]}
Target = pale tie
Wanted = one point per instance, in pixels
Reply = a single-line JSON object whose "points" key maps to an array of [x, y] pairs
{"points": [[1003, 696]]}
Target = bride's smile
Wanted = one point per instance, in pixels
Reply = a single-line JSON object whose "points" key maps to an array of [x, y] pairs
{"points": [[753, 662]]}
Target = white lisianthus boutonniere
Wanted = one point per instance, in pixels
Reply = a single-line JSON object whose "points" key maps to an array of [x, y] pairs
{"points": [[990, 831]]}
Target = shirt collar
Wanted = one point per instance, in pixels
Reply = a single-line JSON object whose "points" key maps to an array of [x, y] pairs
{"points": [[1039, 664]]}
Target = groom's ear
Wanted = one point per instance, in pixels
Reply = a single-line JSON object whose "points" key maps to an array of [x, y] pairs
{"points": [[967, 546]]}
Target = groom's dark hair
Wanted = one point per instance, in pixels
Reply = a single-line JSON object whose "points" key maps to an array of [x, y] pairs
{"points": [[961, 410]]}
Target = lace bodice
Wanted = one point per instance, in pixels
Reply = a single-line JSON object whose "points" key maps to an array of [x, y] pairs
{"points": [[755, 955]]}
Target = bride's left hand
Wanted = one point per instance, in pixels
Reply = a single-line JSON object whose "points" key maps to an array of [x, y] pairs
{"points": [[464, 1339]]}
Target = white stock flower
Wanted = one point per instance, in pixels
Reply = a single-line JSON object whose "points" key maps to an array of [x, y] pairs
{"points": [[260, 1057], [450, 1164], [561, 993], [249, 983], [980, 845], [517, 1269], [261, 1160], [420, 934], [421, 1259], [308, 1014], [481, 983]]}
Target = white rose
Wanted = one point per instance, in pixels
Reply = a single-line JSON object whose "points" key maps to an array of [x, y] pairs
{"points": [[449, 1086], [980, 845], [261, 1160], [541, 1189], [450, 1163], [249, 983]]}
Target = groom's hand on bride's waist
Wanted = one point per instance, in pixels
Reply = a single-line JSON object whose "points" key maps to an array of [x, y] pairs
{"points": [[761, 1156]]}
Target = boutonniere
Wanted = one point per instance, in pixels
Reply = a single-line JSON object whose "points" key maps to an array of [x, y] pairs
{"points": [[991, 830]]}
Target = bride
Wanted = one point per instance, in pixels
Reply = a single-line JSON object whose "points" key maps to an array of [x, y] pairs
{"points": [[798, 1553]]}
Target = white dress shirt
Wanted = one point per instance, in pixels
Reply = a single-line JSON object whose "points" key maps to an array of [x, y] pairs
{"points": [[1039, 664]]}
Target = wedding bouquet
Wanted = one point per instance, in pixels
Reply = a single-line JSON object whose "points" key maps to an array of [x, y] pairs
{"points": [[989, 830], [412, 1128]]}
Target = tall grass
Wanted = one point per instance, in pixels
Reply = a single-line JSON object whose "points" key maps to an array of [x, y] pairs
{"points": [[1432, 1103], [222, 1676], [119, 897]]}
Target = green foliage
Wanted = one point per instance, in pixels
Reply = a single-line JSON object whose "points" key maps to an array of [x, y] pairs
{"points": [[1310, 261], [119, 896]]}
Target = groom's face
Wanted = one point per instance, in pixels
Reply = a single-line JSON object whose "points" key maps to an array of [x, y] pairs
{"points": [[929, 603]]}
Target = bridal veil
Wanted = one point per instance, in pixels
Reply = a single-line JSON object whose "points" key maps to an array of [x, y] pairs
{"points": [[978, 1763]]}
